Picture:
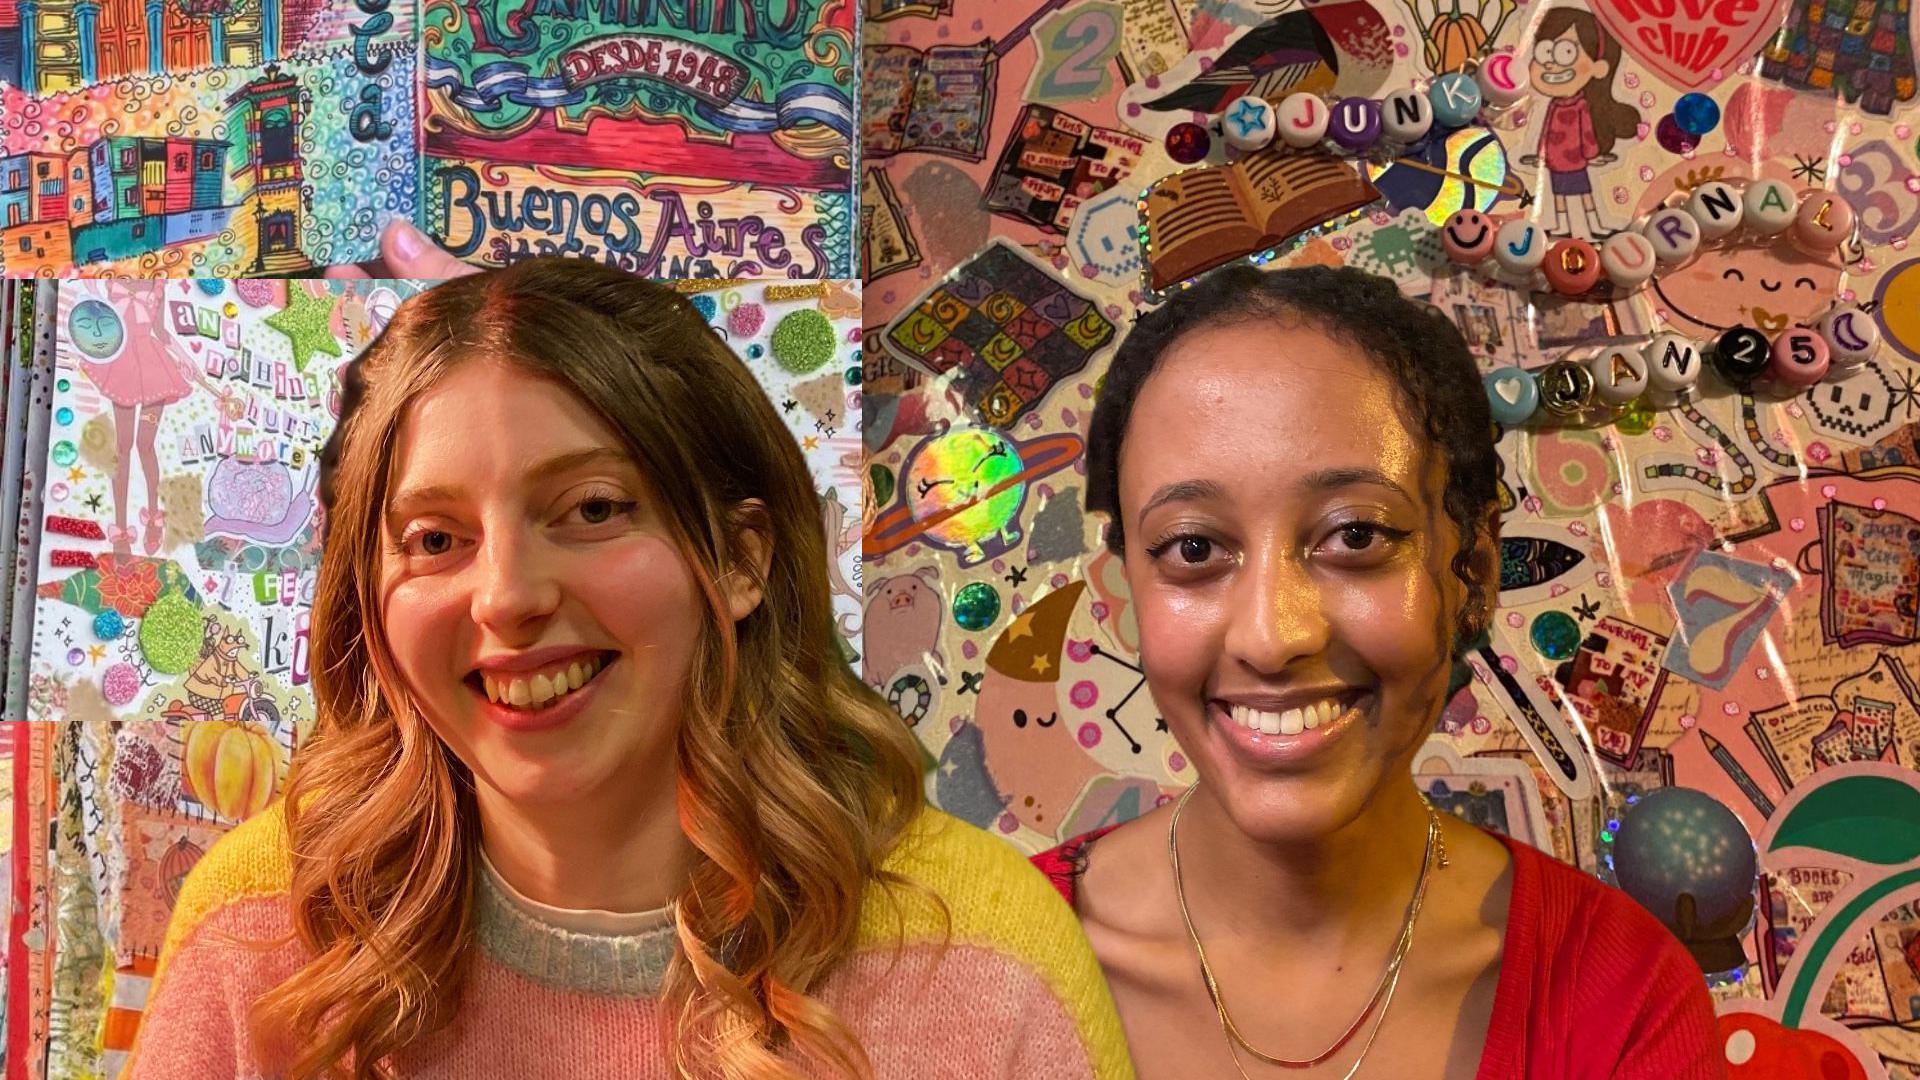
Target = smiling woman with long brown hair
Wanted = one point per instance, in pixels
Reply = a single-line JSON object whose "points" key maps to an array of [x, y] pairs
{"points": [[593, 792]]}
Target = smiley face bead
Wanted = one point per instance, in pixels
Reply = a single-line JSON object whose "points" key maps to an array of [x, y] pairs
{"points": [[1467, 237]]}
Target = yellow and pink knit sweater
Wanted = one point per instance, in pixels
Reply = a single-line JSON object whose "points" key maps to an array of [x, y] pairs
{"points": [[1013, 990]]}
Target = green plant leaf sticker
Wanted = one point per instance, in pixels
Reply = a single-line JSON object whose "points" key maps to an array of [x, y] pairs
{"points": [[1874, 819]]}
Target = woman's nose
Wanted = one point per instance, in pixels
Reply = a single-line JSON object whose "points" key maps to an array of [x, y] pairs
{"points": [[1276, 615], [516, 582]]}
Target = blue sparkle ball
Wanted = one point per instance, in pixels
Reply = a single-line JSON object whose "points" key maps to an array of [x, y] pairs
{"points": [[976, 606], [1555, 634], [212, 286], [63, 416], [1679, 841], [706, 305], [1696, 113], [755, 352], [109, 625]]}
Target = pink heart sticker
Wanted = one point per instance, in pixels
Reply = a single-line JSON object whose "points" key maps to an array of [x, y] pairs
{"points": [[1690, 43]]}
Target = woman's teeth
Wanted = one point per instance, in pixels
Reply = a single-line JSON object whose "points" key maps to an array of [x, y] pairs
{"points": [[1555, 78], [537, 689], [1291, 721]]}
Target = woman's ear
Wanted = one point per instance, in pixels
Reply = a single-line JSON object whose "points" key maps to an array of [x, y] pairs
{"points": [[744, 582], [1601, 69]]}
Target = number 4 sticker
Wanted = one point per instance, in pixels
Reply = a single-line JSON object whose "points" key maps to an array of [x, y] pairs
{"points": [[1077, 47]]}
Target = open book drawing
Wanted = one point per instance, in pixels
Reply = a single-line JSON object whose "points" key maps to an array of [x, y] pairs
{"points": [[1202, 218], [266, 137]]}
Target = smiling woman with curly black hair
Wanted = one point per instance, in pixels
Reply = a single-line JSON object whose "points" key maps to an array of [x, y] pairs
{"points": [[1299, 473]]}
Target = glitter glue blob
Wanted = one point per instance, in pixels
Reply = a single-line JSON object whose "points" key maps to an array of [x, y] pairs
{"points": [[1555, 634], [976, 606], [1672, 138], [1637, 418], [170, 634], [64, 453], [120, 685], [1696, 114], [747, 319], [63, 416], [109, 625], [706, 305], [880, 479], [803, 342], [212, 286]]}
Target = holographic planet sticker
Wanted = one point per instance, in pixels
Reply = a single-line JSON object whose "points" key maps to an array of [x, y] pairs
{"points": [[963, 490]]}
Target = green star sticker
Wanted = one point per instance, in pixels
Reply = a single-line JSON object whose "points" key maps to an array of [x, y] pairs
{"points": [[304, 321]]}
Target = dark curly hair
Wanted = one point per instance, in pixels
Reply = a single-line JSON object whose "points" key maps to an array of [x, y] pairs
{"points": [[1417, 346]]}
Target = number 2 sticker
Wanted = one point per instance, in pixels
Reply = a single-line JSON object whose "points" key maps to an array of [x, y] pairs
{"points": [[1076, 49]]}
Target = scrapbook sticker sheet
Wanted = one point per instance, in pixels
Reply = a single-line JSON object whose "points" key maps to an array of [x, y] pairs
{"points": [[176, 559], [1714, 595], [218, 138], [671, 140]]}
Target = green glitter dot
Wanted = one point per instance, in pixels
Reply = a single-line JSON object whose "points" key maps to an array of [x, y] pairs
{"points": [[976, 606], [64, 385], [170, 634], [854, 375], [1556, 635], [803, 342], [1637, 418], [64, 453], [881, 478]]}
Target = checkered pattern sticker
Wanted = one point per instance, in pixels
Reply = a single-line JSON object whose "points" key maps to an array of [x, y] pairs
{"points": [[1007, 326]]}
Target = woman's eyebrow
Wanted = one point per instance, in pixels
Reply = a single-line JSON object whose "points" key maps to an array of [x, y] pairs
{"points": [[1179, 491], [1328, 479], [408, 499]]}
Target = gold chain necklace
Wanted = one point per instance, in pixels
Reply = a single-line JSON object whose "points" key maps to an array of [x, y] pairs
{"points": [[1389, 979]]}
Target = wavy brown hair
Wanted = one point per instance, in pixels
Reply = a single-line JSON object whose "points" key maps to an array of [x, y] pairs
{"points": [[794, 777]]}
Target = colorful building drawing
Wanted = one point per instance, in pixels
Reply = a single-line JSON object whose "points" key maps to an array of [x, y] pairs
{"points": [[270, 109], [52, 45], [109, 200]]}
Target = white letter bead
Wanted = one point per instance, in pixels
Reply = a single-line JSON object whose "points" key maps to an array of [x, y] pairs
{"points": [[1673, 363], [1675, 235], [1303, 120], [1717, 208]]}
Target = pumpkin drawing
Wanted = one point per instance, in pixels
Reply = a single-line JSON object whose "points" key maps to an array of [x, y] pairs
{"points": [[232, 767]]}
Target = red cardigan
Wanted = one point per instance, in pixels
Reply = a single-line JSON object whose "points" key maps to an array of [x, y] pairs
{"points": [[1592, 987]]}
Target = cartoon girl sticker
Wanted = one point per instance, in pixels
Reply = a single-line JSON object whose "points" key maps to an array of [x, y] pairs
{"points": [[1573, 64], [141, 379]]}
